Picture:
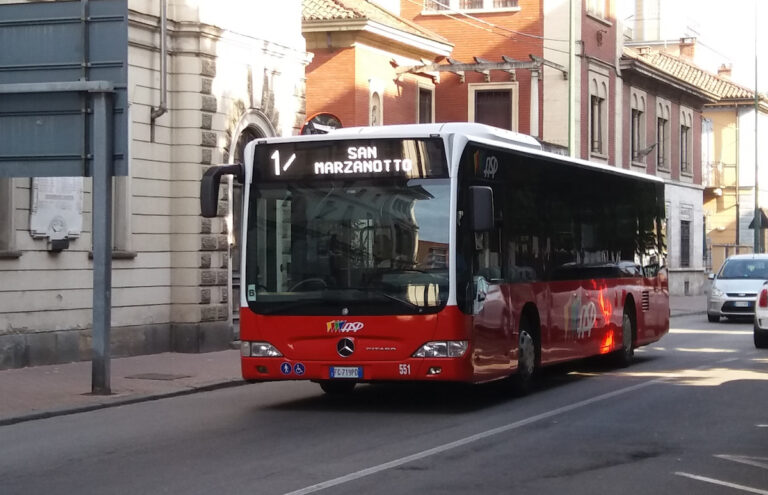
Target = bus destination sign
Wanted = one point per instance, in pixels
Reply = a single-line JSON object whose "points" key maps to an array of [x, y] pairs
{"points": [[409, 158]]}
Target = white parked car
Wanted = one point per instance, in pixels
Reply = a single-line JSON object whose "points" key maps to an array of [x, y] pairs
{"points": [[735, 287], [761, 318]]}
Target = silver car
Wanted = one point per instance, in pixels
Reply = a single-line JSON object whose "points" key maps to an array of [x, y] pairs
{"points": [[735, 287]]}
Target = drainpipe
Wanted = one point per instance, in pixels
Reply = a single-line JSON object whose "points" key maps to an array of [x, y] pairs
{"points": [[738, 186], [163, 108], [535, 102], [572, 78], [758, 214]]}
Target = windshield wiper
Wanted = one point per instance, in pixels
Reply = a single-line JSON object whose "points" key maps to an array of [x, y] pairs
{"points": [[402, 301], [278, 308], [337, 296]]}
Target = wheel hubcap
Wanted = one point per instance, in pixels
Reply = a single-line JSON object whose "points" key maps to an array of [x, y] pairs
{"points": [[626, 334], [526, 358]]}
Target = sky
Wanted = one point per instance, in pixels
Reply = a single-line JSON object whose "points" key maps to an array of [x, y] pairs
{"points": [[727, 34]]}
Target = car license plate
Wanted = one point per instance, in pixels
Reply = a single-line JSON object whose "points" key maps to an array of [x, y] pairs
{"points": [[346, 372], [741, 304]]}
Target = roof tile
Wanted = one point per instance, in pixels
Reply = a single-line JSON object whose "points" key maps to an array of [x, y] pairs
{"points": [[361, 10], [692, 74]]}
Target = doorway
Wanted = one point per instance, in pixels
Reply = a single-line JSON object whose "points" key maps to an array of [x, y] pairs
{"points": [[247, 135]]}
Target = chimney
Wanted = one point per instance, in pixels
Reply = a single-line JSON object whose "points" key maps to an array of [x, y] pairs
{"points": [[724, 71], [687, 48], [644, 50]]}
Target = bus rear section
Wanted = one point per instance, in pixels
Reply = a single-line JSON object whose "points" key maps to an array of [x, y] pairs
{"points": [[580, 248]]}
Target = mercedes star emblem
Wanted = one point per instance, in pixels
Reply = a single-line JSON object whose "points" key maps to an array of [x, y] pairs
{"points": [[345, 347]]}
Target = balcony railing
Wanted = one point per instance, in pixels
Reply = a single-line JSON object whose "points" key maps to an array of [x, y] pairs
{"points": [[719, 174]]}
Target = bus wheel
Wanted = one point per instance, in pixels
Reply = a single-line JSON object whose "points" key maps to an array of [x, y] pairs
{"points": [[526, 360], [624, 356], [337, 387]]}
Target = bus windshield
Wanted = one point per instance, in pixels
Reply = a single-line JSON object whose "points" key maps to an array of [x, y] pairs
{"points": [[359, 246]]}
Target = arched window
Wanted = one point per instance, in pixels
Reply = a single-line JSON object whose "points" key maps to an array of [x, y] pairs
{"points": [[598, 115], [662, 134], [377, 113], [638, 145], [686, 141]]}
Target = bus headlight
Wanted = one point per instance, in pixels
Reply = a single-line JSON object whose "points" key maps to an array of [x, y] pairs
{"points": [[442, 349], [258, 349]]}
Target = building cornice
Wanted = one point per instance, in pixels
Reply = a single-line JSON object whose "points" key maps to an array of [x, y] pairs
{"points": [[738, 103], [687, 185], [380, 30], [176, 30], [646, 70]]}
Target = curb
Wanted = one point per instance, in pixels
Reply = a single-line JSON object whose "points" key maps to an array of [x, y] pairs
{"points": [[52, 413]]}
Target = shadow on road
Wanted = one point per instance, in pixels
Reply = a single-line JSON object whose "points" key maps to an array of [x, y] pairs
{"points": [[448, 398]]}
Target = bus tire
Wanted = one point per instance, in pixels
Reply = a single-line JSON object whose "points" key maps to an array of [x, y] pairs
{"points": [[526, 359], [337, 387], [626, 354]]}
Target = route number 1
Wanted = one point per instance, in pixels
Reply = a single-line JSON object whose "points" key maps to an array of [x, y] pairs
{"points": [[276, 158]]}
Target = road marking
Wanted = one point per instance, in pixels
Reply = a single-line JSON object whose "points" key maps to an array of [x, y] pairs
{"points": [[728, 360], [723, 483], [711, 332], [761, 462], [470, 439]]}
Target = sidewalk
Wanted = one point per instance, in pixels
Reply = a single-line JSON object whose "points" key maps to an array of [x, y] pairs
{"points": [[46, 391], [687, 305]]}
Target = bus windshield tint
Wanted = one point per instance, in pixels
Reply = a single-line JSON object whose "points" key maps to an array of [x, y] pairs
{"points": [[370, 246]]}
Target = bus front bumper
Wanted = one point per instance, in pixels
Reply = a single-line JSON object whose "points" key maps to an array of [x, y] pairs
{"points": [[413, 369]]}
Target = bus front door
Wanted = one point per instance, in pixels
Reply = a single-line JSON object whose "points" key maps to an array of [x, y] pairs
{"points": [[492, 330]]}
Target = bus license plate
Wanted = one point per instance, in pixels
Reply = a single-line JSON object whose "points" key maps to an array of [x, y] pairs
{"points": [[346, 372]]}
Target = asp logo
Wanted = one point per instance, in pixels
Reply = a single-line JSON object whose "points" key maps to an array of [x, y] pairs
{"points": [[491, 167], [343, 326]]}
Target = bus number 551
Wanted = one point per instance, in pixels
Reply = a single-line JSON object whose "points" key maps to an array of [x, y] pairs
{"points": [[405, 369]]}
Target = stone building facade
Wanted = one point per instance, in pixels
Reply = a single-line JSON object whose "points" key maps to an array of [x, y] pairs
{"points": [[233, 74]]}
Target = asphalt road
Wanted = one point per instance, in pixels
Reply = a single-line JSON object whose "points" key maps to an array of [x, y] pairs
{"points": [[691, 416]]}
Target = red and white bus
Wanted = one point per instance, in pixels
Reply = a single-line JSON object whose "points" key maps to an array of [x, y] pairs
{"points": [[440, 252]]}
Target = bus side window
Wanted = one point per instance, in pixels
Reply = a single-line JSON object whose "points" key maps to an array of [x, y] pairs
{"points": [[487, 247]]}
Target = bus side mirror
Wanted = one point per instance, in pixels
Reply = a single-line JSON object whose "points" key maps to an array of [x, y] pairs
{"points": [[481, 198], [209, 186]]}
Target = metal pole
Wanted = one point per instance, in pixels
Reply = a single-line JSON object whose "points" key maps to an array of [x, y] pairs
{"points": [[571, 80], [102, 241], [738, 180], [758, 214]]}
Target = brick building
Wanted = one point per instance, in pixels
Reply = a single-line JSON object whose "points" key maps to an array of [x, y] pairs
{"points": [[357, 47], [599, 102], [497, 32], [663, 100]]}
